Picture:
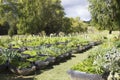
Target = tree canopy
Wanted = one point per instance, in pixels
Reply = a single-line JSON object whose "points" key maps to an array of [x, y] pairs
{"points": [[34, 16], [105, 13]]}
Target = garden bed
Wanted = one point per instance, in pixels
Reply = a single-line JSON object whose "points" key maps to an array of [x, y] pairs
{"points": [[42, 56], [77, 75], [102, 63]]}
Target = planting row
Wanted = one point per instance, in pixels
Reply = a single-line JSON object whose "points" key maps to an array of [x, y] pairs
{"points": [[25, 60], [19, 41], [102, 64]]}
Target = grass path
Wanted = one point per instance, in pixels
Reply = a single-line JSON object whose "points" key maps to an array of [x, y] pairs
{"points": [[59, 71]]}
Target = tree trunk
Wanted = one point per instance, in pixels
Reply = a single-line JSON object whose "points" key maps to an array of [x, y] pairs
{"points": [[110, 31], [119, 35]]}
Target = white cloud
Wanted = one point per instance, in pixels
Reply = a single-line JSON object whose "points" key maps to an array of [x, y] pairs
{"points": [[74, 8]]}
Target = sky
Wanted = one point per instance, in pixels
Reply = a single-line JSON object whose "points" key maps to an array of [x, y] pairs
{"points": [[77, 8]]}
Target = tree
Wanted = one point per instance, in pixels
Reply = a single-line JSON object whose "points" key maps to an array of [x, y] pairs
{"points": [[8, 14], [77, 25], [53, 16], [27, 17], [11, 32], [33, 16], [105, 14], [66, 25], [40, 15], [4, 27]]}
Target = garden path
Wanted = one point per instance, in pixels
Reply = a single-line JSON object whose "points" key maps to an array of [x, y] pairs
{"points": [[59, 72]]}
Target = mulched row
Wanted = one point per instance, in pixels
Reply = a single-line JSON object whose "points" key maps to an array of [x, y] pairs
{"points": [[48, 62]]}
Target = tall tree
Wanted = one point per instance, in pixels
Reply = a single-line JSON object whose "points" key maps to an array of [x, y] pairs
{"points": [[8, 14], [66, 25], [33, 16], [38, 15], [77, 25], [54, 14], [105, 13]]}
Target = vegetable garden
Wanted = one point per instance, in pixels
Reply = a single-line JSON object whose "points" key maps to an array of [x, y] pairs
{"points": [[37, 34], [23, 55], [103, 63]]}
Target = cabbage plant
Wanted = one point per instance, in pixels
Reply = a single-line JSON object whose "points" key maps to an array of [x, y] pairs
{"points": [[109, 62]]}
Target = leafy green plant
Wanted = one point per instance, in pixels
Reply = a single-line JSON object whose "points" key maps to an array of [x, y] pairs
{"points": [[87, 66], [30, 52], [37, 58], [9, 55], [117, 44], [20, 64], [1, 60], [109, 61]]}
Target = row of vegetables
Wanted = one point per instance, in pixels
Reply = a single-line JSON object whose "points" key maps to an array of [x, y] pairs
{"points": [[25, 58], [104, 60]]}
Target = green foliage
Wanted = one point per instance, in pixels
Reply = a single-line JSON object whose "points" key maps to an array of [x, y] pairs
{"points": [[66, 25], [11, 32], [107, 16], [31, 53], [88, 65], [4, 42], [117, 44], [36, 58], [53, 51], [77, 25], [109, 61], [33, 17], [40, 15], [9, 55], [8, 14], [20, 64], [1, 60]]}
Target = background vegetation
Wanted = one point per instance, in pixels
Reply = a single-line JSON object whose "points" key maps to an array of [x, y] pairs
{"points": [[36, 16]]}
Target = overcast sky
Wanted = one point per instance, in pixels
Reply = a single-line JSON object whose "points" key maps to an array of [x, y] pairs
{"points": [[74, 8]]}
